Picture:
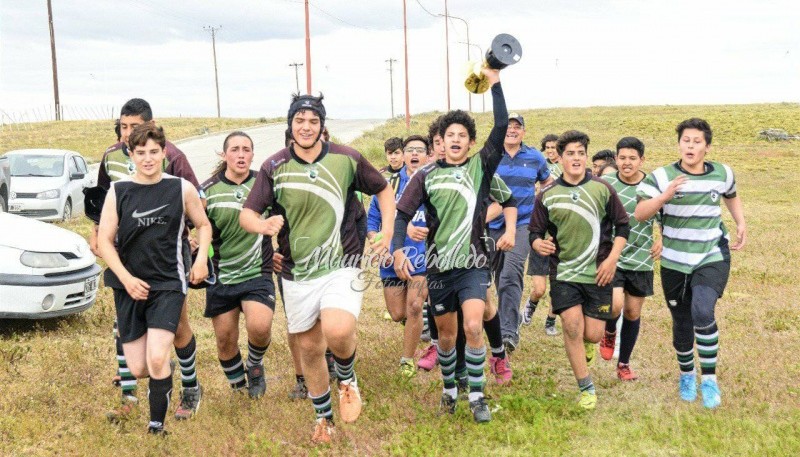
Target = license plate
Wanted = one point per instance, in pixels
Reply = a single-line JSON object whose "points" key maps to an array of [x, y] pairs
{"points": [[15, 208], [90, 285]]}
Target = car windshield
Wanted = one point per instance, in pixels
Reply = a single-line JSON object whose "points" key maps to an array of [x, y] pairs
{"points": [[37, 165]]}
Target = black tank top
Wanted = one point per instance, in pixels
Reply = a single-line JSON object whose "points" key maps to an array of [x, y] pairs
{"points": [[149, 238]]}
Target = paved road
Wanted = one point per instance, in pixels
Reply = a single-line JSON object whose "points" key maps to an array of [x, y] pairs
{"points": [[267, 140]]}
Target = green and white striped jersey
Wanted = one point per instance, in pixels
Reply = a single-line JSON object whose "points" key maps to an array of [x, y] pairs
{"points": [[692, 226], [636, 254], [238, 255], [555, 169]]}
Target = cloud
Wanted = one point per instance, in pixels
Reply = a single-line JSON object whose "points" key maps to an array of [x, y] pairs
{"points": [[575, 53]]}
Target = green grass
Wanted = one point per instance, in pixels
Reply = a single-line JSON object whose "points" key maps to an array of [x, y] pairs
{"points": [[55, 375], [91, 138]]}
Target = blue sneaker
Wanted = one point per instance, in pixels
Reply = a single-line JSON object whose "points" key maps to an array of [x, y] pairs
{"points": [[688, 387], [711, 393]]}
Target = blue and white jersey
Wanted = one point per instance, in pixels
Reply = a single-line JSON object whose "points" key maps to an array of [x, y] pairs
{"points": [[521, 173], [415, 250]]}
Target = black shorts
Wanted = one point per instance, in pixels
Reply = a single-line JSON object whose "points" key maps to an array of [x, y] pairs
{"points": [[221, 298], [448, 290], [162, 310], [634, 283], [538, 265], [393, 282], [678, 286], [595, 300]]}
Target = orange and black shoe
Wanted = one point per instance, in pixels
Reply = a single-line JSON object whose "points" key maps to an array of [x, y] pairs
{"points": [[323, 431], [127, 406], [607, 345], [624, 372]]}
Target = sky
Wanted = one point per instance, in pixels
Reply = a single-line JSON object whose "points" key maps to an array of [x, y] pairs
{"points": [[575, 53]]}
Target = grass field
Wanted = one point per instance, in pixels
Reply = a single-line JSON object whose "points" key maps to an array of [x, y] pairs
{"points": [[91, 138], [55, 375]]}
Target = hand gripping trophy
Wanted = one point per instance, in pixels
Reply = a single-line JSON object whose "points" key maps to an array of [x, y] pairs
{"points": [[505, 51]]}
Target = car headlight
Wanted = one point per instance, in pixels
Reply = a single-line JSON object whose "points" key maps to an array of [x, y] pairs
{"points": [[48, 194], [43, 259]]}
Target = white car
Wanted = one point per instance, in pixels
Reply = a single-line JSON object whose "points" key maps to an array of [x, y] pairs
{"points": [[47, 184], [45, 270]]}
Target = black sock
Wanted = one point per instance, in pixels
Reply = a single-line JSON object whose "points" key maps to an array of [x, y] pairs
{"points": [[160, 390], [345, 367], [126, 379], [611, 325], [550, 321], [495, 335], [628, 336], [322, 405], [300, 378], [461, 348], [707, 347], [255, 354], [186, 359], [533, 304], [234, 371]]}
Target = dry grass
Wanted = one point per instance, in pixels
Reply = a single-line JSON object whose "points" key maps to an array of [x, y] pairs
{"points": [[91, 138], [56, 374]]}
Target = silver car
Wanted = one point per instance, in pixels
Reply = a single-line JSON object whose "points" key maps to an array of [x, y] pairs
{"points": [[47, 184]]}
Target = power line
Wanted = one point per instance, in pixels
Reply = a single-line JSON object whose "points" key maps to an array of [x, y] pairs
{"points": [[350, 23], [425, 9]]}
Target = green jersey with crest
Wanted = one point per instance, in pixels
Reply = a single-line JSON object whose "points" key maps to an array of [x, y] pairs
{"points": [[312, 197], [238, 255], [636, 254], [583, 218], [456, 198], [555, 169]]}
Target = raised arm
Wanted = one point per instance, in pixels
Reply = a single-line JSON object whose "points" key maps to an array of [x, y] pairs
{"points": [[492, 151]]}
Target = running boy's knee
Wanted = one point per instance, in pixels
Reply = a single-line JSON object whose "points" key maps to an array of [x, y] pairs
{"points": [[704, 300], [572, 328]]}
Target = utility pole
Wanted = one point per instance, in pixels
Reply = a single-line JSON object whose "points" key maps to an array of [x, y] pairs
{"points": [[53, 55], [296, 77], [469, 94], [447, 53], [214, 49], [405, 48], [308, 53], [391, 83]]}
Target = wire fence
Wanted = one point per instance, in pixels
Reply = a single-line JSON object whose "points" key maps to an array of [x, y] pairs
{"points": [[46, 113]]}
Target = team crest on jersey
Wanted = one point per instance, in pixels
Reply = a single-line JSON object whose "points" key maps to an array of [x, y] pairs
{"points": [[238, 194], [574, 195], [458, 175], [313, 173], [131, 168], [714, 196]]}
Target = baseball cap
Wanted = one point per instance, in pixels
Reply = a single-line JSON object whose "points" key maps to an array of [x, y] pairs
{"points": [[517, 117]]}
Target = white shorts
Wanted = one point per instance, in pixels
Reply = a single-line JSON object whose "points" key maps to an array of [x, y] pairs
{"points": [[341, 289]]}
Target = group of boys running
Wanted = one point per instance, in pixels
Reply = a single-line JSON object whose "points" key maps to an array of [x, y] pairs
{"points": [[444, 224]]}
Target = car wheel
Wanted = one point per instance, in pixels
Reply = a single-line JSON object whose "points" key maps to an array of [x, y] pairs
{"points": [[67, 214], [3, 205]]}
